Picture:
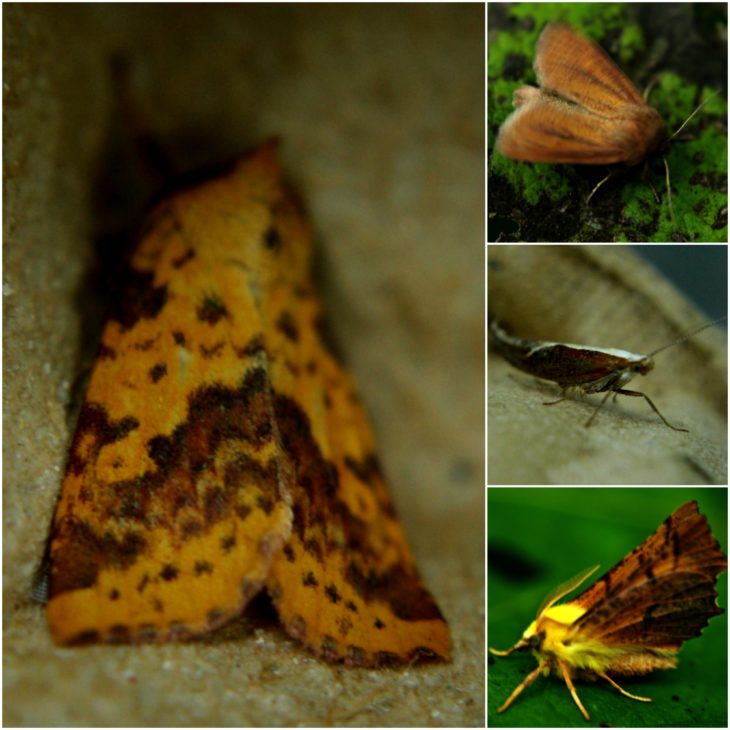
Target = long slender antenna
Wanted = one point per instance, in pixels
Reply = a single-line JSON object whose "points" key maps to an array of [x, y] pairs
{"points": [[687, 335], [669, 190], [712, 96]]}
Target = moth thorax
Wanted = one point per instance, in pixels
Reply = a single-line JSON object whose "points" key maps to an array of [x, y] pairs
{"points": [[564, 614], [548, 632], [643, 366], [645, 134]]}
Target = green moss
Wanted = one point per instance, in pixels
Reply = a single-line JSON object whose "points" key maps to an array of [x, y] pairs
{"points": [[625, 207], [697, 164], [593, 19], [631, 43], [640, 205]]}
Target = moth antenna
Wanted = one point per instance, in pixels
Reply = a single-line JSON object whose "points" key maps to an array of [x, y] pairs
{"points": [[666, 164], [687, 335], [669, 190], [564, 588], [684, 124], [521, 644]]}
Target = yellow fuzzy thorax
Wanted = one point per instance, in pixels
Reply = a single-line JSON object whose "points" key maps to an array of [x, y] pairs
{"points": [[551, 637]]}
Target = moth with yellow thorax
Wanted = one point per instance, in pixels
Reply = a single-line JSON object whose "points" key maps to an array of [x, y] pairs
{"points": [[634, 618]]}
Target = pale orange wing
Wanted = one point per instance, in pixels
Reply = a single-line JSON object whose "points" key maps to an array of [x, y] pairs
{"points": [[176, 496], [346, 584], [577, 69], [222, 449], [546, 129], [662, 593]]}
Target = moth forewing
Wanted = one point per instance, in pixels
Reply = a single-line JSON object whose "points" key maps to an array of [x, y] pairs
{"points": [[634, 618]]}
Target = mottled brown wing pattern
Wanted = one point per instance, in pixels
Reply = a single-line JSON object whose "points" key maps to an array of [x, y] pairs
{"points": [[581, 71], [222, 449], [549, 129], [662, 593]]}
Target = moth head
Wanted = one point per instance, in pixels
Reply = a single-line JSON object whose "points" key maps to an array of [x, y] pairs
{"points": [[532, 638], [550, 631], [550, 618], [643, 366], [647, 134]]}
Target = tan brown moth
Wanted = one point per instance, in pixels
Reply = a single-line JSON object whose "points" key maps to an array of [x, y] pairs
{"points": [[633, 619], [586, 111], [586, 368]]}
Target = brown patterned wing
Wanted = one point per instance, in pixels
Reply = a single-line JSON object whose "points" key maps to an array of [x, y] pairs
{"points": [[574, 67], [545, 128], [662, 593]]}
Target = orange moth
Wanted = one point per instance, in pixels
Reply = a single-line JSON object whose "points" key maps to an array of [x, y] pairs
{"points": [[635, 618], [586, 111], [222, 450]]}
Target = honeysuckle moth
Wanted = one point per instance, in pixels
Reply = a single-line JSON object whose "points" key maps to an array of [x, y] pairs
{"points": [[635, 618], [584, 367]]}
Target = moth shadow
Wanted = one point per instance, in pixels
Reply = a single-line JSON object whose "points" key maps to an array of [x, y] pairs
{"points": [[550, 390], [259, 614], [593, 406]]}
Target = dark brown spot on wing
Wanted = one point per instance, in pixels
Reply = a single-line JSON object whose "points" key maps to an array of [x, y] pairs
{"points": [[140, 300], [184, 461], [158, 372], [211, 310], [286, 324]]}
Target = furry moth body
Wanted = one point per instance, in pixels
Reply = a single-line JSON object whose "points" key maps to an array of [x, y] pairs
{"points": [[635, 618]]}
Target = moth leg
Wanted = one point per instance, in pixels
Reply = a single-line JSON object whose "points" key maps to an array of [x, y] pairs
{"points": [[566, 676], [621, 690], [563, 391], [637, 394], [669, 190], [526, 682], [647, 180], [598, 407], [588, 199]]}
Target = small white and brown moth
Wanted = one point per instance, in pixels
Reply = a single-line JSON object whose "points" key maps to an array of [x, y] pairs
{"points": [[583, 367], [635, 618]]}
